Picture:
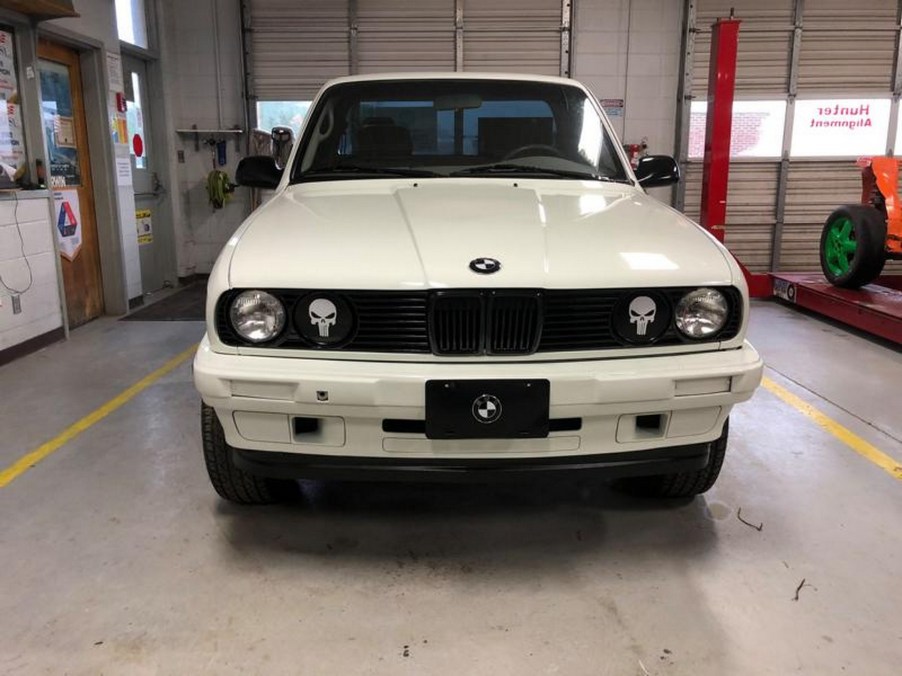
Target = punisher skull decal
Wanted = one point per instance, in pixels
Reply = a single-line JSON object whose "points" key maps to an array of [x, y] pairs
{"points": [[323, 315], [641, 317], [324, 319], [642, 313]]}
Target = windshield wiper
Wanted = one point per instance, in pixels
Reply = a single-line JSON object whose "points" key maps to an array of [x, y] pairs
{"points": [[510, 168], [324, 172]]}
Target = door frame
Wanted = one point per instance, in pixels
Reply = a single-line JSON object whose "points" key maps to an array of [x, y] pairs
{"points": [[163, 135], [90, 264], [92, 57]]}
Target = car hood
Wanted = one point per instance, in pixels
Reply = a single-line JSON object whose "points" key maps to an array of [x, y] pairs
{"points": [[400, 234]]}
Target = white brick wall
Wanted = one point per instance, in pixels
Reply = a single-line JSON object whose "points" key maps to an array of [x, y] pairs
{"points": [[41, 302], [630, 49]]}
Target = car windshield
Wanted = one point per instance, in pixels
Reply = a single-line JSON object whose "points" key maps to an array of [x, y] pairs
{"points": [[458, 127]]}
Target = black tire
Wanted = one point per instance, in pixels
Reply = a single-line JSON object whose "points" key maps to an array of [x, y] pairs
{"points": [[681, 484], [868, 231], [230, 482]]}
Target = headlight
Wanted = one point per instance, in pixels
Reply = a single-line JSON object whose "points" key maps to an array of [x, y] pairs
{"points": [[702, 313], [257, 316]]}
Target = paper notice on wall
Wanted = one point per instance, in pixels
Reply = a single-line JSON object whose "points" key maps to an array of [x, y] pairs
{"points": [[64, 131], [145, 226], [114, 72], [124, 171], [68, 222], [612, 107]]}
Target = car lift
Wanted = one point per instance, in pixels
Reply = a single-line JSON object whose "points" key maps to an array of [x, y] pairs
{"points": [[875, 308]]}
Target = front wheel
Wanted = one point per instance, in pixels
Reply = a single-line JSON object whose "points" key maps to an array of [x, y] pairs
{"points": [[853, 245], [230, 482], [681, 484]]}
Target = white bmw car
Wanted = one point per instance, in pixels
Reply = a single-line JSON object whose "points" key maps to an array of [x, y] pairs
{"points": [[460, 276]]}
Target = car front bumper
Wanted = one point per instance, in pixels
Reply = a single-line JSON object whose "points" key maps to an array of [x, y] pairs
{"points": [[607, 405]]}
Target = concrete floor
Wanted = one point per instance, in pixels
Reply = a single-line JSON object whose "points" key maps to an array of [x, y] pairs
{"points": [[117, 558]]}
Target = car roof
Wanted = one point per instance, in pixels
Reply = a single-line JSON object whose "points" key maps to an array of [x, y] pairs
{"points": [[459, 75]]}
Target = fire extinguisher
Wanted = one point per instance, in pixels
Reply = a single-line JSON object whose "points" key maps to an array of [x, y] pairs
{"points": [[635, 151]]}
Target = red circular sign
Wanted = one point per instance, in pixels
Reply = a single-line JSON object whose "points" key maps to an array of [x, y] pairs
{"points": [[138, 145]]}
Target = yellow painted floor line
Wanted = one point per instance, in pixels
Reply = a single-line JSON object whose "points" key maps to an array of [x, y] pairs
{"points": [[864, 448], [29, 460]]}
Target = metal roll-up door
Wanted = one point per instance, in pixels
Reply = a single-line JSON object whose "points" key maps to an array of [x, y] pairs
{"points": [[751, 209], [813, 191], [296, 45], [521, 36], [848, 46], [398, 35], [765, 40]]}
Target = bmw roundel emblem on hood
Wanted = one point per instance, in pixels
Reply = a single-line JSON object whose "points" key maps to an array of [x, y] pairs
{"points": [[485, 266]]}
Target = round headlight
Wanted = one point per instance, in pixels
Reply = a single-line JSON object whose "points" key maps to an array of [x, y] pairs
{"points": [[257, 316], [702, 313]]}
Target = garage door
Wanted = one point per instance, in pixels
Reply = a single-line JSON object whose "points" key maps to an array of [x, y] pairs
{"points": [[825, 70], [297, 45]]}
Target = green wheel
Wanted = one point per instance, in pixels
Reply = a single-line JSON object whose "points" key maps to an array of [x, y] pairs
{"points": [[852, 246]]}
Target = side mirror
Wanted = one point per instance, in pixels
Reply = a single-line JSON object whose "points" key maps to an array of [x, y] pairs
{"points": [[282, 140], [654, 171], [258, 171]]}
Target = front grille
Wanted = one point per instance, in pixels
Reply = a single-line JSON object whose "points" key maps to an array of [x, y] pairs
{"points": [[473, 321], [477, 322], [514, 323], [578, 320], [456, 323]]}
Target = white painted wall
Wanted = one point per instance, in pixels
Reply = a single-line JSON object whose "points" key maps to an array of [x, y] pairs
{"points": [[41, 301], [630, 49], [190, 66]]}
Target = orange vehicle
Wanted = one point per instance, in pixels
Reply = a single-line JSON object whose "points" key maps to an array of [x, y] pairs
{"points": [[858, 239]]}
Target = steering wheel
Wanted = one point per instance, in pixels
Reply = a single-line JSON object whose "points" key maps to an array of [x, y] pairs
{"points": [[533, 149]]}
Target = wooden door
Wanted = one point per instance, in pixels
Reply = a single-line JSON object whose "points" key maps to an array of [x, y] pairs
{"points": [[69, 177]]}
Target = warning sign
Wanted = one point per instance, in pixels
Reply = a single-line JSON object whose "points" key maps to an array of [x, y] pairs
{"points": [[68, 222], [145, 226]]}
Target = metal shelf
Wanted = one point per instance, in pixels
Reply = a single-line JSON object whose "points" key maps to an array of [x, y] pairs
{"points": [[211, 135]]}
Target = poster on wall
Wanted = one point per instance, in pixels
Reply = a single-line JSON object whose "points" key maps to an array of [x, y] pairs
{"points": [[145, 226], [68, 222], [12, 135], [58, 112], [119, 129], [840, 127]]}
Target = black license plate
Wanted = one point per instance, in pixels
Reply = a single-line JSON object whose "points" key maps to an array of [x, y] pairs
{"points": [[487, 409]]}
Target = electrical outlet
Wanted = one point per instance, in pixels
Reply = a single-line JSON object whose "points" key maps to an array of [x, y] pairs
{"points": [[17, 304]]}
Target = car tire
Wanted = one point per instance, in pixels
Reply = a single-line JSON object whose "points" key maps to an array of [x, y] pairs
{"points": [[852, 246], [231, 482], [681, 484]]}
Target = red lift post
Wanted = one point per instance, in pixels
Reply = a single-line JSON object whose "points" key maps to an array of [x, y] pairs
{"points": [[719, 125]]}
